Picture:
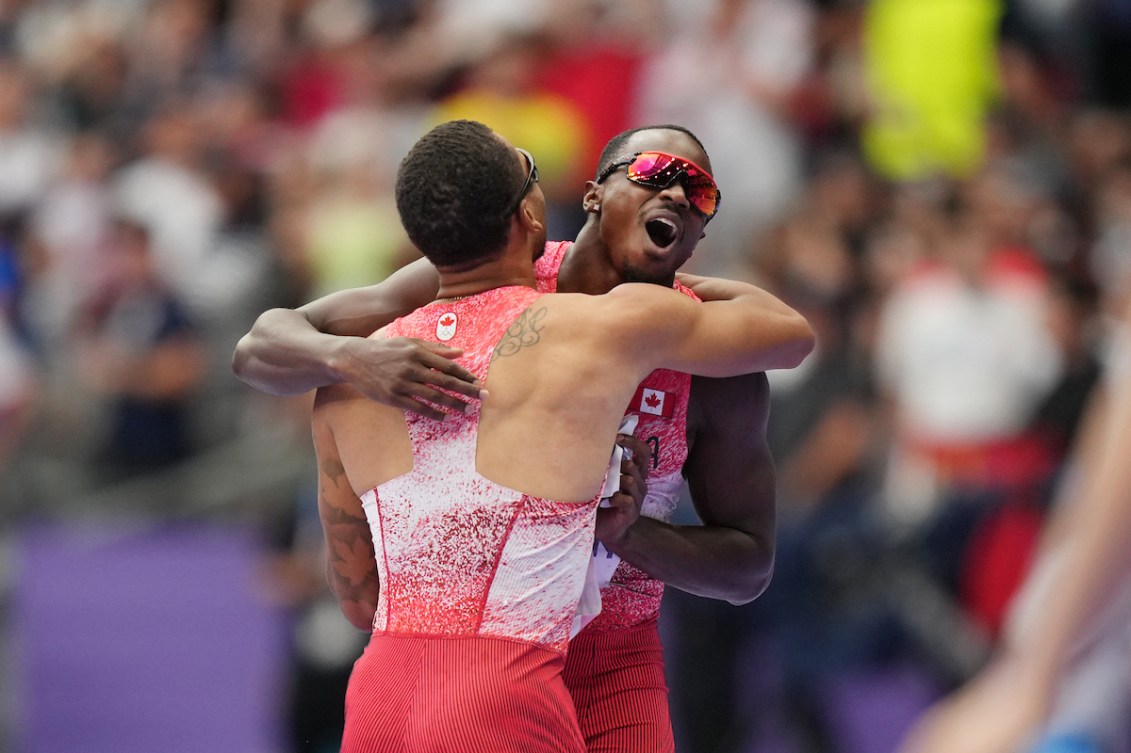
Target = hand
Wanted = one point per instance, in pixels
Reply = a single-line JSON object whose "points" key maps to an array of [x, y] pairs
{"points": [[625, 504], [409, 373]]}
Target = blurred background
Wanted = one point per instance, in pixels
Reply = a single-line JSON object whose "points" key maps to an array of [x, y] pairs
{"points": [[942, 186]]}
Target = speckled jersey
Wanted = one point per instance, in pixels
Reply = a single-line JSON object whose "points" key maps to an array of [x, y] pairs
{"points": [[479, 582], [633, 597]]}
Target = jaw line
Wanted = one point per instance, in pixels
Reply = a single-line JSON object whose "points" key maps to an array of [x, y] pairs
{"points": [[631, 273]]}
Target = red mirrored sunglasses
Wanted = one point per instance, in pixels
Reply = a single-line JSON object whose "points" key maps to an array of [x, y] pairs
{"points": [[658, 170]]}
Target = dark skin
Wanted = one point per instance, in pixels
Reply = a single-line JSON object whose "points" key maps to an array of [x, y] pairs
{"points": [[729, 469]]}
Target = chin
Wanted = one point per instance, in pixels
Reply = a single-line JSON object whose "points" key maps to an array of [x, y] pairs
{"points": [[635, 274]]}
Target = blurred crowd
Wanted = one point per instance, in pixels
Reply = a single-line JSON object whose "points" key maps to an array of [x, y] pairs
{"points": [[943, 187]]}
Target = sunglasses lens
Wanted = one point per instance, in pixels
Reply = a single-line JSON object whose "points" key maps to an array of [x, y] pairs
{"points": [[653, 169], [703, 194], [658, 170]]}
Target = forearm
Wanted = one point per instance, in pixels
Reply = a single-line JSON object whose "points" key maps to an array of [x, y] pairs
{"points": [[719, 289], [284, 354], [787, 330], [351, 565], [730, 474], [358, 602], [712, 561], [288, 352], [1095, 559]]}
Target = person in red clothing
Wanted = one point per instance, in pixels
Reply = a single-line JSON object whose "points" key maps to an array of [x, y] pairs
{"points": [[468, 565], [709, 430]]}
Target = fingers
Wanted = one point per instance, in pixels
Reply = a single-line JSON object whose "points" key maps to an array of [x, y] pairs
{"points": [[463, 383], [641, 451], [410, 372], [413, 405], [434, 405], [625, 504], [445, 373], [416, 375], [446, 402], [439, 348], [613, 521], [634, 469], [632, 486]]}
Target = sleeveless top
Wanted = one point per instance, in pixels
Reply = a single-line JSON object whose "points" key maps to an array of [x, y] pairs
{"points": [[459, 555], [660, 402]]}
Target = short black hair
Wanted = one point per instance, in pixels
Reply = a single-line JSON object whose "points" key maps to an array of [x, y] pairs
{"points": [[453, 190], [615, 148]]}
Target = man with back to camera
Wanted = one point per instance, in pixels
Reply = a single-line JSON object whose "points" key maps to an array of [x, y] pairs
{"points": [[647, 210], [482, 560]]}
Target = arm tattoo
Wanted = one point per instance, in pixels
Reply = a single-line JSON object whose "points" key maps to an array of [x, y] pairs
{"points": [[351, 565], [524, 332], [334, 470]]}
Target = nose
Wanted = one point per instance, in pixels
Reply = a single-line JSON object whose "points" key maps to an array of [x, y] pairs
{"points": [[677, 193]]}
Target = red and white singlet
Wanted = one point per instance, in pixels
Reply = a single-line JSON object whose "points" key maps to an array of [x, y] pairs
{"points": [[633, 596], [479, 583], [615, 666]]}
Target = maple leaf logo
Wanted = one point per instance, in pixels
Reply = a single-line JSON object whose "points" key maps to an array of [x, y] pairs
{"points": [[354, 561], [652, 402], [446, 326]]}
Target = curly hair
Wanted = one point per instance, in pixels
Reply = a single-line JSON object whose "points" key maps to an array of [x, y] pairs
{"points": [[453, 189], [615, 148]]}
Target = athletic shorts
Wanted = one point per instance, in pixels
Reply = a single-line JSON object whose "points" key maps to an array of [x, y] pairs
{"points": [[458, 695], [616, 678]]}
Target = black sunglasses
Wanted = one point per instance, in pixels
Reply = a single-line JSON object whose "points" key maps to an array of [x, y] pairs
{"points": [[531, 178]]}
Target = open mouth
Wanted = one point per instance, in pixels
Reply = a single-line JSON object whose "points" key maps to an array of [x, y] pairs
{"points": [[662, 231]]}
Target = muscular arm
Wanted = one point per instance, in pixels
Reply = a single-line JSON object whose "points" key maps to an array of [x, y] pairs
{"points": [[351, 568], [649, 326], [288, 352], [731, 477], [779, 321]]}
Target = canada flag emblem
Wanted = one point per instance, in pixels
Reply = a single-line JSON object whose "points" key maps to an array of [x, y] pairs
{"points": [[654, 402], [446, 326]]}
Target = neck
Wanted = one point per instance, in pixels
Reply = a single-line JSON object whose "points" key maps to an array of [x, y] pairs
{"points": [[503, 272], [586, 267]]}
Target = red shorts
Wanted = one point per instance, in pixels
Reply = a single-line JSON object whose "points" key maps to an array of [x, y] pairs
{"points": [[458, 695], [616, 678]]}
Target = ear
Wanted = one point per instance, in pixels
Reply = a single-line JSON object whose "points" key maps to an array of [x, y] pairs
{"points": [[591, 201], [531, 222]]}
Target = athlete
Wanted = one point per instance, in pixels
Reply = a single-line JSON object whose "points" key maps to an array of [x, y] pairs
{"points": [[648, 205], [481, 560]]}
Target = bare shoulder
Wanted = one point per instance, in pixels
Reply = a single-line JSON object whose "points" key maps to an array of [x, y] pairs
{"points": [[564, 309], [643, 294], [636, 305]]}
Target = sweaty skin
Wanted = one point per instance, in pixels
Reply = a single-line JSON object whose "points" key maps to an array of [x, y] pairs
{"points": [[729, 469]]}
